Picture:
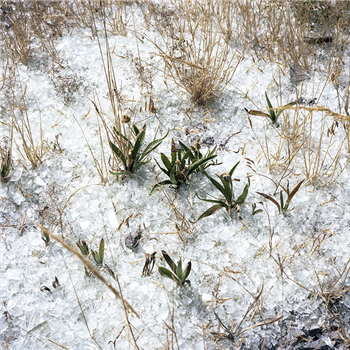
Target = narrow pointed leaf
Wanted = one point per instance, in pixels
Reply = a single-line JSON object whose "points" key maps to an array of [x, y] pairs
{"points": [[118, 153], [187, 271], [187, 150], [212, 210], [281, 200], [223, 204], [214, 182], [166, 161], [102, 250], [169, 261], [179, 269], [172, 176], [193, 167], [243, 196], [153, 145], [138, 143], [136, 130], [173, 152], [162, 169], [166, 273], [271, 199], [259, 113], [160, 184], [294, 191], [227, 188], [272, 113], [233, 169]]}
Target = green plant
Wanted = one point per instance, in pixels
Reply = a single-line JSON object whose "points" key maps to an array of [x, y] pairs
{"points": [[177, 274], [129, 153], [98, 256], [226, 189], [283, 206], [272, 115], [183, 163], [83, 247]]}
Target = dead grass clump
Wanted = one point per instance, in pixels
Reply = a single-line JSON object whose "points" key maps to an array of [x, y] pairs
{"points": [[196, 56]]}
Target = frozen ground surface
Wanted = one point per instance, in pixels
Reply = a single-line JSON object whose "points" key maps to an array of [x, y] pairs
{"points": [[232, 260]]}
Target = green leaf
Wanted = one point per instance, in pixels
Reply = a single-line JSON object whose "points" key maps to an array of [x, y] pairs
{"points": [[118, 153], [136, 130], [172, 176], [281, 201], [243, 196], [214, 182], [233, 169], [173, 152], [162, 169], [187, 271], [272, 113], [102, 250], [282, 109], [125, 172], [169, 261], [214, 201], [160, 184], [193, 167], [187, 150], [166, 162], [166, 273], [138, 143], [122, 136], [179, 269], [227, 188], [152, 146], [212, 210]]}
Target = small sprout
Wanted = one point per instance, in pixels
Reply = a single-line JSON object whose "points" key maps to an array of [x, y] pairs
{"points": [[226, 189], [182, 163], [283, 207], [272, 115], [45, 289], [149, 264], [83, 247], [98, 256], [254, 210], [177, 274], [46, 238], [87, 273], [55, 283]]}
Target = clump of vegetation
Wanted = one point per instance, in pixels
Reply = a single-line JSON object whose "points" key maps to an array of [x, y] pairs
{"points": [[182, 163], [129, 153], [176, 274], [226, 188]]}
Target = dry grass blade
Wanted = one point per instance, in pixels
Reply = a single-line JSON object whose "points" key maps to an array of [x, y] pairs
{"points": [[88, 264]]}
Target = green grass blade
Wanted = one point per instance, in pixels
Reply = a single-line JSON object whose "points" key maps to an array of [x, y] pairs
{"points": [[243, 196], [272, 113], [187, 150], [118, 153], [160, 184], [196, 165], [233, 169], [173, 152], [165, 171], [166, 162], [187, 271], [169, 261], [212, 210], [166, 273], [138, 143], [179, 270], [214, 182]]}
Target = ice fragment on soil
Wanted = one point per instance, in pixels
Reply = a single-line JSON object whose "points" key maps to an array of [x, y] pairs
{"points": [[132, 240]]}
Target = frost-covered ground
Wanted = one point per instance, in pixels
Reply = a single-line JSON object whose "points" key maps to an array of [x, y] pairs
{"points": [[256, 269]]}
